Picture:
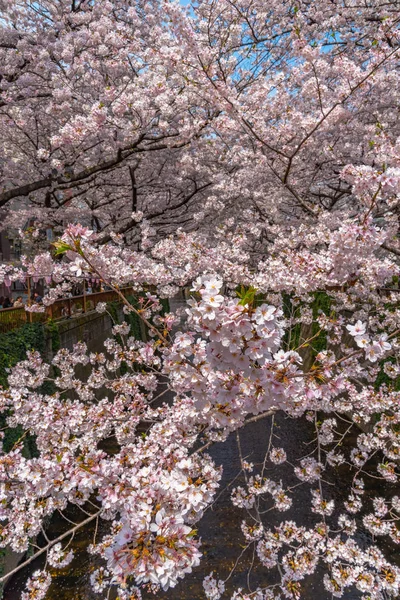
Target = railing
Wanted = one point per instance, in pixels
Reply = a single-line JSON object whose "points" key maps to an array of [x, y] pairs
{"points": [[12, 318]]}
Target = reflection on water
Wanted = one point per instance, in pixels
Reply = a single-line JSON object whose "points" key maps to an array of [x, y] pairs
{"points": [[219, 528]]}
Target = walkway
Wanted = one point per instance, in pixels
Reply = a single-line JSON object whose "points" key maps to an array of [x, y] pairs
{"points": [[12, 318]]}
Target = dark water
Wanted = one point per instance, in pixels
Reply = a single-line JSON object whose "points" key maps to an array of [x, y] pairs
{"points": [[220, 527]]}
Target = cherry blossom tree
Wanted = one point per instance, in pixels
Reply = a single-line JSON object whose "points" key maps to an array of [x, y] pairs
{"points": [[249, 153], [114, 108], [89, 95]]}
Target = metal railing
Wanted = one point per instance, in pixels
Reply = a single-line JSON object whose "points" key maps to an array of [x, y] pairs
{"points": [[65, 308]]}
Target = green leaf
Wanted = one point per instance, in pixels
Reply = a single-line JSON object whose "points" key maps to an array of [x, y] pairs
{"points": [[61, 247], [246, 295]]}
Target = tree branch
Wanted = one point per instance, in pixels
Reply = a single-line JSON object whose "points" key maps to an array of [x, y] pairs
{"points": [[49, 545]]}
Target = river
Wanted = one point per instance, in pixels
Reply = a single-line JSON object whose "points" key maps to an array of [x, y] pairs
{"points": [[219, 529]]}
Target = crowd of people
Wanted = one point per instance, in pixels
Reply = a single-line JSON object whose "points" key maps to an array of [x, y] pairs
{"points": [[36, 298], [18, 302], [7, 302]]}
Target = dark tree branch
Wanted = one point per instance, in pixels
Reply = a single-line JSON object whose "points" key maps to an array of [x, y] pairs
{"points": [[134, 188], [395, 251], [25, 190], [131, 223]]}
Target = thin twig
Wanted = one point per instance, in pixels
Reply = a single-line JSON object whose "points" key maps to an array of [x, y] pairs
{"points": [[48, 546]]}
